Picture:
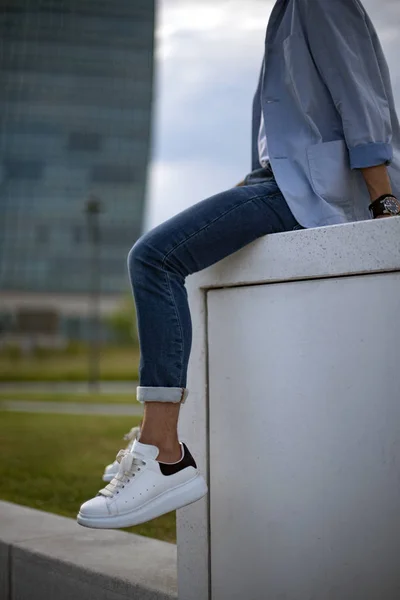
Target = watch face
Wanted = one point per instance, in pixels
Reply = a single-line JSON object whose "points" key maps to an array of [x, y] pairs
{"points": [[391, 206]]}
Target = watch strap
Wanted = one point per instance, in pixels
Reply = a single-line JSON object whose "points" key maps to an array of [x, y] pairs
{"points": [[377, 207]]}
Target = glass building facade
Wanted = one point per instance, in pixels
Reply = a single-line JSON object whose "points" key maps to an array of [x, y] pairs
{"points": [[75, 112]]}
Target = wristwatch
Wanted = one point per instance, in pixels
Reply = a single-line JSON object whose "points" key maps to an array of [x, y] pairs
{"points": [[387, 204]]}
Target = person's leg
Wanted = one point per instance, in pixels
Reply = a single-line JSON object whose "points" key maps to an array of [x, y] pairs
{"points": [[158, 265], [158, 474]]}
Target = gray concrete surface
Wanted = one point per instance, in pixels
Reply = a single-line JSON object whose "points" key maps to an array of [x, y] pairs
{"points": [[47, 556], [349, 251], [4, 571], [71, 408]]}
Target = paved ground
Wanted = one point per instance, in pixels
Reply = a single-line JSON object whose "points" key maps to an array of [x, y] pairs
{"points": [[105, 387], [72, 408]]}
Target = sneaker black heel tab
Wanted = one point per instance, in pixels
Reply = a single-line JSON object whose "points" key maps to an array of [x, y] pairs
{"points": [[187, 461]]}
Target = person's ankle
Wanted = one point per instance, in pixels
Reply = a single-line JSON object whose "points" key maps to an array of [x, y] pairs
{"points": [[169, 450], [170, 456]]}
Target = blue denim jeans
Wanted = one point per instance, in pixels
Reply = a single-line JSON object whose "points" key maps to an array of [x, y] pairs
{"points": [[192, 240]]}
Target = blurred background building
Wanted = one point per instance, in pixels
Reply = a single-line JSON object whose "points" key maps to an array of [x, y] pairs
{"points": [[75, 113]]}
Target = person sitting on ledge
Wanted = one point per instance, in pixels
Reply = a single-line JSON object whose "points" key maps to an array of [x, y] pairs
{"points": [[325, 150]]}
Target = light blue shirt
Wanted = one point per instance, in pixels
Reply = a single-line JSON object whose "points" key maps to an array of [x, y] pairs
{"points": [[263, 156], [327, 100]]}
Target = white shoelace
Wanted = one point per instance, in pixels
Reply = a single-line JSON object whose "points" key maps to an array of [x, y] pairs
{"points": [[131, 436], [129, 464]]}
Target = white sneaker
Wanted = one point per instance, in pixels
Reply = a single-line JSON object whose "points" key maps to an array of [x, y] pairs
{"points": [[111, 470], [143, 489]]}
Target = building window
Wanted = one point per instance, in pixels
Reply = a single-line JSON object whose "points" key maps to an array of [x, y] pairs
{"points": [[77, 234], [113, 174], [80, 141], [42, 234], [23, 169]]}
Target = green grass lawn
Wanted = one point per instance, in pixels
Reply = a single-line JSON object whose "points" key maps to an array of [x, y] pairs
{"points": [[71, 397], [55, 462], [116, 364]]}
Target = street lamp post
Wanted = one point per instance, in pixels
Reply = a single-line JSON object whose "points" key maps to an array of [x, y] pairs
{"points": [[93, 209]]}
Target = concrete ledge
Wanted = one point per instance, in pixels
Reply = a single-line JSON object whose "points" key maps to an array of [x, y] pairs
{"points": [[47, 556], [207, 568]]}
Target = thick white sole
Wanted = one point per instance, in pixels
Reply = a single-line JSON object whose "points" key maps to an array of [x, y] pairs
{"points": [[185, 494]]}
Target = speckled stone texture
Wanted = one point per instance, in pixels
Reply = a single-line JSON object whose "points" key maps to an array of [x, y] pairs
{"points": [[364, 247]]}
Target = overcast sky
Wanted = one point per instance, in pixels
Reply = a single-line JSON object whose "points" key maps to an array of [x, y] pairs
{"points": [[208, 55]]}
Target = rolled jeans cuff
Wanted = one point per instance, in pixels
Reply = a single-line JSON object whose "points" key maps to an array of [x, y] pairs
{"points": [[161, 394]]}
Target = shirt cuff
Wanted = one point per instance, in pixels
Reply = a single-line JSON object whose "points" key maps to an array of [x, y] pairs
{"points": [[370, 155]]}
